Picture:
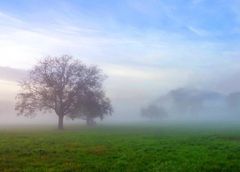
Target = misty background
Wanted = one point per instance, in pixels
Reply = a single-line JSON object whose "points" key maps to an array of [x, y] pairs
{"points": [[154, 53]]}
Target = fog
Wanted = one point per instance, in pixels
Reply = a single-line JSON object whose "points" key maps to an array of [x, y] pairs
{"points": [[136, 102], [194, 105], [179, 59]]}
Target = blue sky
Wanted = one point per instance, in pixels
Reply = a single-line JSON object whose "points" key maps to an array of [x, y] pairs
{"points": [[194, 25], [193, 18], [146, 47]]}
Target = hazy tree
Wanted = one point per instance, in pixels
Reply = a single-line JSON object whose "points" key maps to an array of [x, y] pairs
{"points": [[154, 112], [233, 101], [194, 101], [96, 105], [191, 102], [62, 85]]}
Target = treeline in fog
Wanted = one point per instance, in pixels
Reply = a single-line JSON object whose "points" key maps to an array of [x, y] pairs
{"points": [[185, 103]]}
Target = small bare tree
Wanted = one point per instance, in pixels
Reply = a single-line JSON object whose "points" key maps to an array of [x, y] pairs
{"points": [[62, 85]]}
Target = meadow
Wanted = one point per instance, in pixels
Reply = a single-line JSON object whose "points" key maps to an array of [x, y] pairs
{"points": [[121, 148]]}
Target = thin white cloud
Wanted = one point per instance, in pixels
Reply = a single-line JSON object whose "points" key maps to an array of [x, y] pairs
{"points": [[198, 31], [8, 19]]}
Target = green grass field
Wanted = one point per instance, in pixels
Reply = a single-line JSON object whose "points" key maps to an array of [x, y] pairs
{"points": [[121, 148]]}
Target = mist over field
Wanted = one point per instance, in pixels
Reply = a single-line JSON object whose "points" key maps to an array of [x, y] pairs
{"points": [[192, 103], [147, 50]]}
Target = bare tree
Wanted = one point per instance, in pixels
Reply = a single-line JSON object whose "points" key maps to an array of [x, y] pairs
{"points": [[62, 85]]}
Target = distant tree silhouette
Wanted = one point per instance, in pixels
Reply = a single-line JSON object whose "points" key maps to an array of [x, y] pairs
{"points": [[190, 102], [233, 100], [153, 112], [65, 86]]}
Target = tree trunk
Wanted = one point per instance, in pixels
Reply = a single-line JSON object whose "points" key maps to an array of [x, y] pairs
{"points": [[90, 122], [60, 122]]}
